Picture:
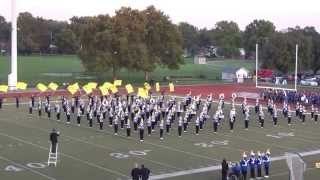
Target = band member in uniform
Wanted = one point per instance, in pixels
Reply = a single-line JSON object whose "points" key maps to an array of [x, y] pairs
{"points": [[49, 110], [161, 129], [197, 123], [185, 123], [275, 115], [149, 125], [261, 118], [289, 116], [68, 114], [252, 165], [39, 107], [316, 115], [90, 118], [232, 118], [180, 124], [257, 106], [17, 102], [100, 120], [247, 118], [168, 124], [141, 130], [215, 122], [57, 110], [1, 102], [79, 115], [258, 162], [303, 114], [128, 128], [244, 166], [266, 163], [30, 107], [115, 124]]}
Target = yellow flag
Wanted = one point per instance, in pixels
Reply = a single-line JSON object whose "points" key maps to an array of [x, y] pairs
{"points": [[73, 88], [3, 88], [171, 87], [104, 91], [114, 89], [53, 86], [87, 89], [117, 82], [129, 88], [142, 93], [92, 85], [22, 85], [147, 86], [157, 87], [107, 85], [42, 87]]}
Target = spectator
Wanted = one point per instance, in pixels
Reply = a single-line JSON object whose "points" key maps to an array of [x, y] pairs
{"points": [[135, 173], [145, 172], [225, 168]]}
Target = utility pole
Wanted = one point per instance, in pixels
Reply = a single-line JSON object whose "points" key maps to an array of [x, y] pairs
{"points": [[12, 78]]}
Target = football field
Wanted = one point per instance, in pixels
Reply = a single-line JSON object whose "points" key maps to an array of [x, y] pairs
{"points": [[88, 153]]}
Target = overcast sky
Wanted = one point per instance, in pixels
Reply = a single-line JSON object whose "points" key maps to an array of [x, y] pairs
{"points": [[201, 13]]}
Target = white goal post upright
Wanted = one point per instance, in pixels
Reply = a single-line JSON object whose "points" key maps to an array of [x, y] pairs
{"points": [[13, 76], [278, 88]]}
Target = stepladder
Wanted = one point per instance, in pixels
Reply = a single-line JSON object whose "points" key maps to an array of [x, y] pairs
{"points": [[53, 156]]}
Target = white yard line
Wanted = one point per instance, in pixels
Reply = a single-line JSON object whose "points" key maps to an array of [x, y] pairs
{"points": [[66, 155], [215, 168], [27, 168]]}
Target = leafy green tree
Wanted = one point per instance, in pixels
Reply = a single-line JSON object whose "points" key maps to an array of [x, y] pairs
{"points": [[190, 35], [258, 31], [315, 49], [228, 38], [66, 42]]}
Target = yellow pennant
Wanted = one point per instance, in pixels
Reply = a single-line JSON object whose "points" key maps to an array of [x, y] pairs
{"points": [[147, 86], [22, 85], [117, 82], [42, 87], [53, 86], [92, 85], [87, 89], [114, 89], [104, 91], [129, 88], [157, 87], [3, 88], [171, 87]]}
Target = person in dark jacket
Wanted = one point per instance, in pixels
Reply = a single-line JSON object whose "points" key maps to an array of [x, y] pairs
{"points": [[145, 172], [135, 173], [225, 168], [54, 139]]}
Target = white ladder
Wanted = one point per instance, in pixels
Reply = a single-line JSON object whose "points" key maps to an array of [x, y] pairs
{"points": [[53, 157]]}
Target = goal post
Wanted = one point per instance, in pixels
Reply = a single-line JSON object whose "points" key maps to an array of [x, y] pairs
{"points": [[296, 165], [274, 86]]}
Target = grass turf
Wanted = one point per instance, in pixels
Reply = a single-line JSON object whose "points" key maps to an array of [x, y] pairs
{"points": [[34, 69], [86, 153]]}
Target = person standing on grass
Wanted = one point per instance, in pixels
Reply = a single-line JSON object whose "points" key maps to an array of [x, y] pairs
{"points": [[145, 172], [17, 102], [135, 172], [244, 166], [141, 130], [180, 123], [247, 118], [30, 107], [224, 169], [316, 115], [68, 114], [78, 116], [261, 118], [54, 139], [275, 115], [252, 165], [232, 119], [1, 102], [161, 129], [128, 128], [39, 107], [57, 110], [289, 116]]}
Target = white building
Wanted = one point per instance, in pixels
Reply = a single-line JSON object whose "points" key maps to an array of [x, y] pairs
{"points": [[199, 59], [234, 74]]}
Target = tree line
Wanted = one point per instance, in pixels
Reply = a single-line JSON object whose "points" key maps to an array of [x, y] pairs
{"points": [[142, 40]]}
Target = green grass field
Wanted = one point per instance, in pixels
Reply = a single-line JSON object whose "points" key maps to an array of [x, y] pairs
{"points": [[34, 69], [86, 153]]}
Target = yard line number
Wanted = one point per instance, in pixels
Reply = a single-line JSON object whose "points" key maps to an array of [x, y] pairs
{"points": [[15, 168], [128, 154], [212, 144]]}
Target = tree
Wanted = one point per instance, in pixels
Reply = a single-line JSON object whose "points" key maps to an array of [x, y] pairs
{"points": [[258, 31], [66, 42], [228, 38], [315, 49], [4, 33], [190, 36]]}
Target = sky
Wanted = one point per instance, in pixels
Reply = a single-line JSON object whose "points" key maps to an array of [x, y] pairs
{"points": [[201, 13]]}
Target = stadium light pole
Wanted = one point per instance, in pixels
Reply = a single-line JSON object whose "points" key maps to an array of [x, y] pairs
{"points": [[12, 78]]}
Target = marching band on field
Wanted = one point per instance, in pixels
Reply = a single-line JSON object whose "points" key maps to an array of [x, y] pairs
{"points": [[121, 112]]}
